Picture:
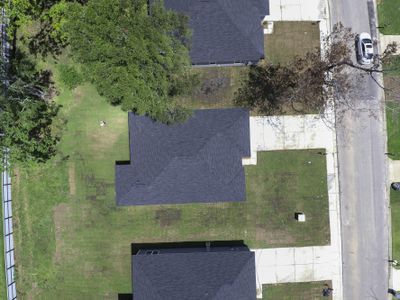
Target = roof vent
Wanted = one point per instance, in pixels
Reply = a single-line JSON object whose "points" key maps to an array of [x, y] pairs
{"points": [[208, 244]]}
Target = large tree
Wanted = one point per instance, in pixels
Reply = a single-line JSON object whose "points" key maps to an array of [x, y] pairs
{"points": [[27, 114], [44, 19], [306, 83], [135, 55]]}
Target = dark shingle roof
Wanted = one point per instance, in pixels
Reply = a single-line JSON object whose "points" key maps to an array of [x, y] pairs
{"points": [[215, 275], [197, 161], [224, 31]]}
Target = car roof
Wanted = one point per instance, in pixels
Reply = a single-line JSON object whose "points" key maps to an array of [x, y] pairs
{"points": [[365, 35]]}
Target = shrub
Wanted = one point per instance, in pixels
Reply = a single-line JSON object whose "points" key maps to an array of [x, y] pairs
{"points": [[70, 76]]}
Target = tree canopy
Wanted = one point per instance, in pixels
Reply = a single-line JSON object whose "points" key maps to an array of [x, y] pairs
{"points": [[135, 55], [26, 116], [306, 83], [45, 19]]}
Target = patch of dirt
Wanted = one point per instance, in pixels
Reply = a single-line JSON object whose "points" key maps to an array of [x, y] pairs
{"points": [[104, 138], [91, 198], [72, 179], [60, 217], [392, 87], [17, 176], [168, 216], [277, 203], [78, 93], [213, 85], [274, 237]]}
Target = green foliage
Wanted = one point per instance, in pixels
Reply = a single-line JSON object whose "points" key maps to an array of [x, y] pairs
{"points": [[27, 114], [135, 59], [388, 15], [266, 88], [70, 76], [45, 19], [26, 125]]}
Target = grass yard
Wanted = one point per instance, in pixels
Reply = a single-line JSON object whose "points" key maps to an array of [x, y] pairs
{"points": [[395, 209], [388, 16], [392, 94], [72, 240], [393, 128], [290, 39], [216, 88], [295, 291]]}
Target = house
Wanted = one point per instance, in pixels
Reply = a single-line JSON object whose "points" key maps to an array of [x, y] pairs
{"points": [[211, 270], [224, 32], [199, 160]]}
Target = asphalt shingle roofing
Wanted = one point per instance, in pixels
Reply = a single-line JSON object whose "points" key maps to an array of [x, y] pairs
{"points": [[199, 160], [224, 31], [214, 275]]}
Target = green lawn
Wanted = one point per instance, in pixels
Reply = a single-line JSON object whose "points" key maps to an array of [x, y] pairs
{"points": [[72, 240], [295, 291], [395, 209], [290, 39], [388, 16], [216, 88], [392, 94], [393, 128]]}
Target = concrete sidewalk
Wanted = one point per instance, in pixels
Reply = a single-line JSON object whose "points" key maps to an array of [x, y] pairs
{"points": [[387, 39], [301, 264]]}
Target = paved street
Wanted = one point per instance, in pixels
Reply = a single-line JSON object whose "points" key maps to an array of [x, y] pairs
{"points": [[361, 143]]}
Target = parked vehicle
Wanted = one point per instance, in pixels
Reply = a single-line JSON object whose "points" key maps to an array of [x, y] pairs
{"points": [[364, 48], [395, 186]]}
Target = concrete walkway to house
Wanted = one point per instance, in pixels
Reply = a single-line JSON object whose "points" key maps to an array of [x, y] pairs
{"points": [[302, 264], [395, 279], [299, 10], [394, 170]]}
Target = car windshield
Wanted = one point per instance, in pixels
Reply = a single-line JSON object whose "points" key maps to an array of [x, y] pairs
{"points": [[369, 56], [367, 41], [369, 46]]}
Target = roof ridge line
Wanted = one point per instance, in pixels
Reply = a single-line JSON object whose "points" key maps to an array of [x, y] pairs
{"points": [[206, 142], [243, 34], [242, 270]]}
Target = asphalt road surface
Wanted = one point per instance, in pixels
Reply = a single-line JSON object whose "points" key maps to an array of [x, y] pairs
{"points": [[361, 142]]}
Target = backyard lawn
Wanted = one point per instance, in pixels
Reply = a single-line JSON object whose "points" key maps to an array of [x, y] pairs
{"points": [[72, 240], [290, 39], [388, 16], [295, 291]]}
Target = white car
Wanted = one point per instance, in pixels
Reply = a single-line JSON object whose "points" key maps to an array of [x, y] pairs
{"points": [[364, 48]]}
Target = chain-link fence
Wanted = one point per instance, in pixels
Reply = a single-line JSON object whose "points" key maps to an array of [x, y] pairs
{"points": [[5, 176], [8, 237]]}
